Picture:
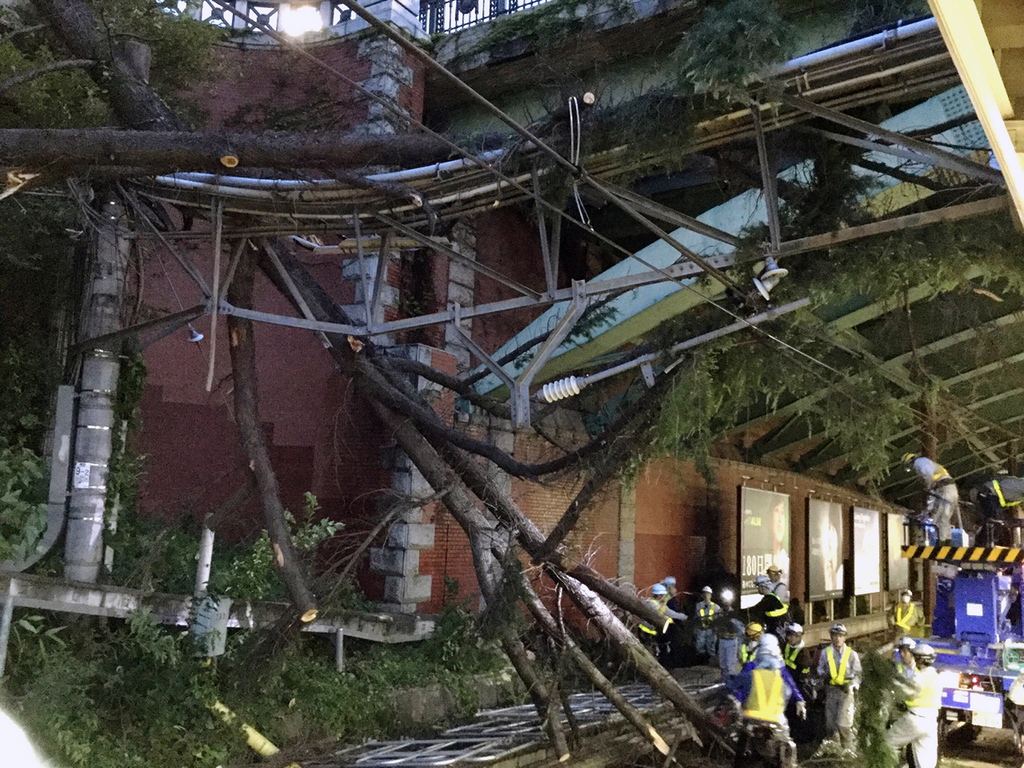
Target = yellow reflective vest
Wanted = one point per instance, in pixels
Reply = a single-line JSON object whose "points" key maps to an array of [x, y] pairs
{"points": [[929, 690], [662, 606], [706, 612], [837, 674], [767, 698], [790, 654], [747, 653], [903, 616]]}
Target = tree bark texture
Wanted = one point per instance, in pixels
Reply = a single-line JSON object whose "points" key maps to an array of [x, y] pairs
{"points": [[59, 153], [243, 366]]}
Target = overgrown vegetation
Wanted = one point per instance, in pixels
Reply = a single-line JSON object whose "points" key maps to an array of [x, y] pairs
{"points": [[735, 43], [81, 691]]}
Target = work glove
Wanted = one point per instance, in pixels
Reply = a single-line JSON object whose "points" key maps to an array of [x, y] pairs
{"points": [[801, 710]]}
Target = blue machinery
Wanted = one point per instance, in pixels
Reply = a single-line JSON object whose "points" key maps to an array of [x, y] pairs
{"points": [[977, 631]]}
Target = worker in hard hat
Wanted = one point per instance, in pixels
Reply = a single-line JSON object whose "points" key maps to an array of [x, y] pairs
{"points": [[657, 637], [729, 631], [799, 660], [997, 499], [770, 611], [917, 726], [904, 616], [704, 639], [943, 498], [839, 669], [764, 688], [752, 634], [905, 666]]}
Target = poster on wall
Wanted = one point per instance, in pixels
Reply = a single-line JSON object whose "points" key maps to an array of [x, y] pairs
{"points": [[824, 550], [867, 554], [899, 566], [764, 537]]}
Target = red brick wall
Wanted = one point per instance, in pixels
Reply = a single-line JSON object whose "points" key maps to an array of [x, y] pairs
{"points": [[257, 88], [507, 241]]}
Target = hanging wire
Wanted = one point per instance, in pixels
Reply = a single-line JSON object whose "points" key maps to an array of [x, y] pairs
{"points": [[575, 146]]}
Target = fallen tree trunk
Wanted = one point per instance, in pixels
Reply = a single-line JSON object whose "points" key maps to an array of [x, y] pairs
{"points": [[61, 153], [243, 366]]}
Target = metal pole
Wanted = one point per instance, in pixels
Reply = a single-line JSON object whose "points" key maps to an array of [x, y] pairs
{"points": [[339, 650], [205, 562], [5, 626]]}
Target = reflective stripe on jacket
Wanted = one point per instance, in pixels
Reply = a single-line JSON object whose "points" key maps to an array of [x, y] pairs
{"points": [[767, 699], [661, 606]]}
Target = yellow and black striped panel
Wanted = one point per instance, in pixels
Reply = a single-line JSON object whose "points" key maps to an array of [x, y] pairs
{"points": [[950, 554]]}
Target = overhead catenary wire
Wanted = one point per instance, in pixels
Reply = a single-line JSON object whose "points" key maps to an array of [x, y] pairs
{"points": [[372, 21]]}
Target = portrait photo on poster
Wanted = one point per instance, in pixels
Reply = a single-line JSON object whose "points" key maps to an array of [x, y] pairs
{"points": [[867, 551], [824, 549], [764, 537]]}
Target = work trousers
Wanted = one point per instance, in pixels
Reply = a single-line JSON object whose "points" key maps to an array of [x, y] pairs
{"points": [[943, 504], [839, 714], [728, 656], [705, 641], [918, 729]]}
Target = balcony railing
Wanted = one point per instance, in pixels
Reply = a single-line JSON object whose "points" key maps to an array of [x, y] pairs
{"points": [[436, 16], [443, 16]]}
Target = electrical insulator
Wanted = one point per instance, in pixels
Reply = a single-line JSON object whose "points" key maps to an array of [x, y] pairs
{"points": [[561, 389]]}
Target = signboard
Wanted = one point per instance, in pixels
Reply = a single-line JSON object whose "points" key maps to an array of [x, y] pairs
{"points": [[764, 538], [899, 566], [867, 551], [824, 550]]}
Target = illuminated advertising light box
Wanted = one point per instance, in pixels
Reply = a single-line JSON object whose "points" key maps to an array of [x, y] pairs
{"points": [[867, 551], [899, 566], [824, 549], [764, 538]]}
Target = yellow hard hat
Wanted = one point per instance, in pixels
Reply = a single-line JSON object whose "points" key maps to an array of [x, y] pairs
{"points": [[754, 629], [909, 457]]}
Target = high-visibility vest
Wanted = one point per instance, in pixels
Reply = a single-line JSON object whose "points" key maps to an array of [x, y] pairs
{"points": [[662, 606], [767, 699], [838, 676], [747, 654], [903, 616], [929, 690], [706, 613], [789, 655]]}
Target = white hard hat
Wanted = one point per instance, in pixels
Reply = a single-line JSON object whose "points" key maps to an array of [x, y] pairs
{"points": [[707, 589], [669, 581], [659, 589], [794, 629]]}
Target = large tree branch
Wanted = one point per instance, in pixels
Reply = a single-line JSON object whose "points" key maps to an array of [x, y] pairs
{"points": [[243, 365], [62, 153], [136, 104], [31, 74]]}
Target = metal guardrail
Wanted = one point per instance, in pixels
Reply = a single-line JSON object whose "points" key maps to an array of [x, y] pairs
{"points": [[445, 16]]}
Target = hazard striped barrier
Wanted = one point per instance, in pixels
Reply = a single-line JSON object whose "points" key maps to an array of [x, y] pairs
{"points": [[950, 554]]}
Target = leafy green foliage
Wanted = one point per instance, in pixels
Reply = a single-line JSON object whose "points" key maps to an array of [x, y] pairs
{"points": [[22, 500], [733, 45], [547, 23], [249, 572], [874, 710], [133, 693]]}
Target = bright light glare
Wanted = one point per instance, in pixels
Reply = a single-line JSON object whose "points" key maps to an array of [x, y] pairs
{"points": [[299, 19]]}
